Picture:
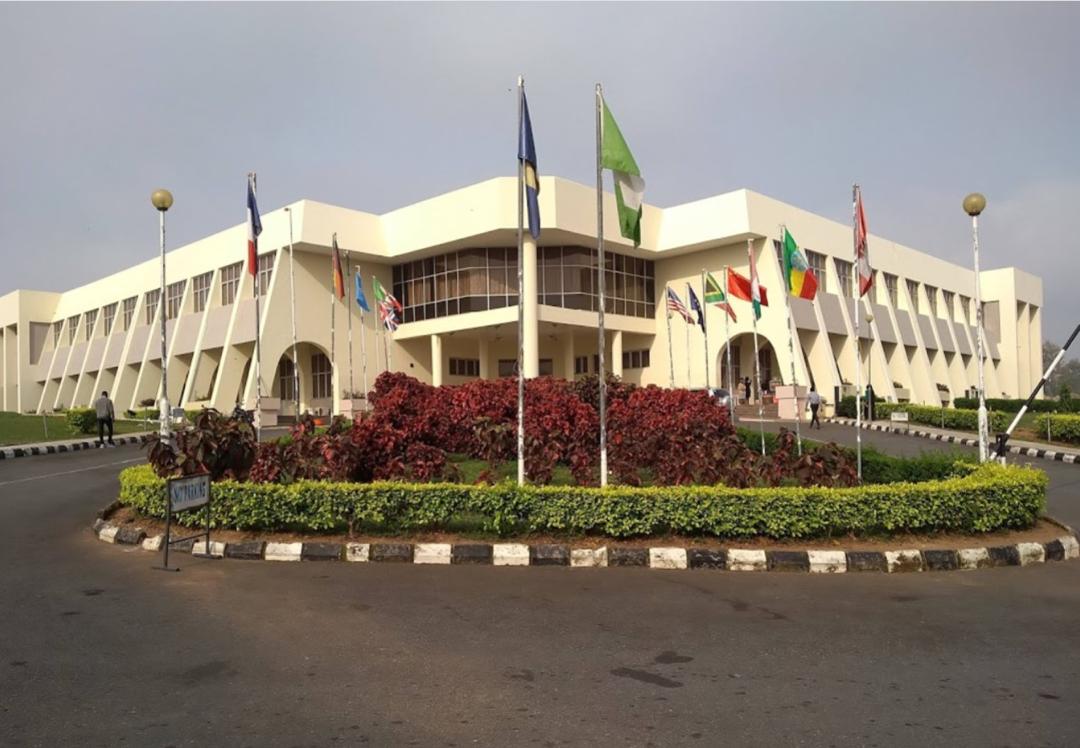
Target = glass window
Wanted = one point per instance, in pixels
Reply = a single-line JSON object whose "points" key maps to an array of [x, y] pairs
{"points": [[892, 290], [109, 318], [913, 294], [152, 298], [965, 309], [266, 270], [507, 367], [73, 326], [286, 380], [230, 282], [581, 364], [635, 359], [931, 297], [200, 287], [465, 367], [174, 295], [57, 328], [948, 297], [91, 320], [321, 377], [843, 277], [816, 262]]}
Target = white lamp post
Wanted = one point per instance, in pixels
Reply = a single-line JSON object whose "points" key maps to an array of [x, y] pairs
{"points": [[163, 200], [974, 204]]}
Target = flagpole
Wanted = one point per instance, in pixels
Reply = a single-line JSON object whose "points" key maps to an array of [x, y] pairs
{"points": [[858, 341], [689, 383], [733, 386], [363, 337], [348, 309], [258, 325], [292, 302], [600, 281], [705, 331], [791, 353], [757, 374], [333, 323], [521, 290], [670, 349]]}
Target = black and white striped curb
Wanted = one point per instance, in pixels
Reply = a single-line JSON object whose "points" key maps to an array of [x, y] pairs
{"points": [[10, 453], [520, 554], [967, 441]]}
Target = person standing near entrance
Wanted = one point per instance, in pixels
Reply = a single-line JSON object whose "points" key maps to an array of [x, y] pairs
{"points": [[814, 399], [105, 414], [746, 387]]}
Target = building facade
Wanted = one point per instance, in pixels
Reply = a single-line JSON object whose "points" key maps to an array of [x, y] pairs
{"points": [[451, 260]]}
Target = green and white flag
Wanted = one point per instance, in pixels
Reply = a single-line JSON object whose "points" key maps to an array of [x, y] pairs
{"points": [[629, 186]]}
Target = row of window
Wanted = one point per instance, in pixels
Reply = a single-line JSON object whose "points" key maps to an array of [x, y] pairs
{"points": [[470, 367]]}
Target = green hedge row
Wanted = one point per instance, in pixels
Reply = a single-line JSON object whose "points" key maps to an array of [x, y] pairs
{"points": [[928, 415], [82, 420], [1063, 428], [987, 498], [1013, 405]]}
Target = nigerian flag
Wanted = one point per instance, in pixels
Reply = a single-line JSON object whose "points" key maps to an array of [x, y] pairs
{"points": [[629, 186]]}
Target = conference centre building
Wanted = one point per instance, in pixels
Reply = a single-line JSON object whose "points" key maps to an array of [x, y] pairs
{"points": [[451, 261]]}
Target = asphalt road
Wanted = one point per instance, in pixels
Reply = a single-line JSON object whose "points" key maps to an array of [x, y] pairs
{"points": [[96, 648]]}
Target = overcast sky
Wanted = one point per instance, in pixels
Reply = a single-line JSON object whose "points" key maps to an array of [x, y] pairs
{"points": [[376, 106]]}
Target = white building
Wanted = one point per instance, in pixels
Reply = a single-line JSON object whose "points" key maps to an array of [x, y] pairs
{"points": [[451, 260]]}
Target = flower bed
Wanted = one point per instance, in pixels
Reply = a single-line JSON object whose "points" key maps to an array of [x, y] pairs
{"points": [[988, 498]]}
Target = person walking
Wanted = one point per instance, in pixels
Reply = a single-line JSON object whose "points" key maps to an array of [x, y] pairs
{"points": [[814, 399], [105, 415]]}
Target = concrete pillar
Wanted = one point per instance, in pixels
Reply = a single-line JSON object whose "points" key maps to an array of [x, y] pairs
{"points": [[616, 353], [436, 361], [568, 355], [485, 358], [528, 297]]}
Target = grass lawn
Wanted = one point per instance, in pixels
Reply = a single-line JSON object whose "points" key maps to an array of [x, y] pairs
{"points": [[20, 429]]}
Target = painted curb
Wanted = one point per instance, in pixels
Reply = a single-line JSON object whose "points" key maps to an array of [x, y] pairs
{"points": [[10, 453], [1054, 455], [1065, 547]]}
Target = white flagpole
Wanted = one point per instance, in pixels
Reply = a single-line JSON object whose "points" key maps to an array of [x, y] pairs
{"points": [[292, 302], [333, 322], [258, 324], [791, 353], [705, 330], [757, 374], [670, 349], [600, 281], [521, 302], [363, 337], [858, 341], [348, 310], [686, 326], [733, 386]]}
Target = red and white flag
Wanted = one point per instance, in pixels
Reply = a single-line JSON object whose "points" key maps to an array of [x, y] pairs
{"points": [[254, 224], [862, 252]]}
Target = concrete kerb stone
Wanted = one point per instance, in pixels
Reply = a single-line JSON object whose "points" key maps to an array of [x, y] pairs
{"points": [[900, 561], [1031, 553], [667, 558], [588, 557], [827, 562], [510, 554], [215, 550], [431, 553], [745, 560], [973, 558], [357, 552], [153, 544], [283, 551]]}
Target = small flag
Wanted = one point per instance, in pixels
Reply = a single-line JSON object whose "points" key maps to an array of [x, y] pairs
{"points": [[527, 156], [629, 186], [755, 288], [800, 279], [714, 294], [254, 224], [361, 300], [674, 304], [389, 307], [695, 306], [862, 250], [740, 287], [339, 279]]}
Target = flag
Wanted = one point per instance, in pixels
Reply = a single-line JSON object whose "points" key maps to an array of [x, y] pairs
{"points": [[800, 279], [695, 306], [629, 186], [339, 279], [714, 294], [254, 225], [674, 304], [739, 286], [755, 288], [361, 300], [862, 251], [389, 307], [527, 157]]}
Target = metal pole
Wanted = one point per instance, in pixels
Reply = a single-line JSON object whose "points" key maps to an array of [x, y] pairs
{"points": [[348, 310], [258, 327], [686, 325], [363, 344], [670, 349], [858, 340], [333, 322], [705, 332], [791, 353], [757, 373], [600, 282], [292, 300], [732, 385], [984, 434], [163, 407], [521, 299]]}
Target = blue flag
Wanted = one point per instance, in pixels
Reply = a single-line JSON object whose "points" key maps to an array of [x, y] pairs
{"points": [[360, 299], [695, 306], [527, 156]]}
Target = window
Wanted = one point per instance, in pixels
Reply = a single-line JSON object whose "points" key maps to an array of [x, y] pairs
{"points": [[635, 359], [266, 269], [91, 320], [230, 282], [507, 367], [110, 317], [965, 309], [152, 298], [465, 367], [948, 297], [931, 297], [546, 368], [568, 279], [73, 325], [843, 278], [286, 381], [913, 292], [200, 288], [321, 377], [57, 328], [581, 364], [892, 290], [816, 262], [174, 294], [129, 311]]}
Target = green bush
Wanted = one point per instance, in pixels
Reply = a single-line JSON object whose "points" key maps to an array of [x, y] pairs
{"points": [[1013, 405], [82, 420], [928, 415], [882, 468], [987, 498], [1063, 428]]}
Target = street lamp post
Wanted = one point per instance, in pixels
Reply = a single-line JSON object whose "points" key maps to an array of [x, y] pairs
{"points": [[974, 204], [163, 200]]}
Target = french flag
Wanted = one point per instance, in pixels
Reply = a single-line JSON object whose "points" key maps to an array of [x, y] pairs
{"points": [[254, 224]]}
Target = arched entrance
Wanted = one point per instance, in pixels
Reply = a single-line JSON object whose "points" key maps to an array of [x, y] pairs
{"points": [[310, 377], [742, 365]]}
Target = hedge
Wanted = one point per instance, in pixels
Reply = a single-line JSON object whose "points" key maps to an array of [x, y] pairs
{"points": [[82, 420], [928, 415], [1063, 428], [989, 497], [1013, 405]]}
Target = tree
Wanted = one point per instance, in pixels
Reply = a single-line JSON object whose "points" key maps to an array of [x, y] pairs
{"points": [[1067, 372]]}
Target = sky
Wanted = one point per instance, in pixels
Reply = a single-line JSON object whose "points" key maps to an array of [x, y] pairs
{"points": [[375, 106]]}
